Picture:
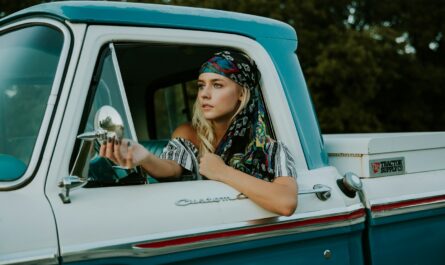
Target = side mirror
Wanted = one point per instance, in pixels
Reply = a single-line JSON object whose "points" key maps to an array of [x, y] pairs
{"points": [[69, 183], [350, 184], [107, 123]]}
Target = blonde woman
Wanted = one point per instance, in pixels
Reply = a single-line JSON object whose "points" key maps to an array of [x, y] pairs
{"points": [[226, 141]]}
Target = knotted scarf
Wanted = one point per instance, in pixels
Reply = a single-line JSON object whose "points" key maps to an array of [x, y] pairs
{"points": [[244, 144]]}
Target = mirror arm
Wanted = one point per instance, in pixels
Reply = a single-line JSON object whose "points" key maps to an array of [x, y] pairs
{"points": [[79, 169]]}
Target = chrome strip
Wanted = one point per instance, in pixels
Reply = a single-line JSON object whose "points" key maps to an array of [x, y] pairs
{"points": [[407, 197], [38, 260], [51, 99], [129, 248], [438, 201]]}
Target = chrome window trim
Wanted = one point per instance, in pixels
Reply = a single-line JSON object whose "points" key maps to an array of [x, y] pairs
{"points": [[129, 248], [37, 151], [122, 92]]}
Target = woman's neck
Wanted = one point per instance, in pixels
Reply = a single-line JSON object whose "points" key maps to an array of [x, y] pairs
{"points": [[220, 129]]}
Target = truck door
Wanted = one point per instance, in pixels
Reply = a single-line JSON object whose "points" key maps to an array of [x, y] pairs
{"points": [[202, 221], [28, 92]]}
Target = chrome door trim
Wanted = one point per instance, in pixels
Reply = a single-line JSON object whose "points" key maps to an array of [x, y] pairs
{"points": [[33, 260], [164, 243], [407, 204], [51, 103]]}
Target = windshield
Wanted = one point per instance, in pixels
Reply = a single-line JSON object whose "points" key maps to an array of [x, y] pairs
{"points": [[29, 58]]}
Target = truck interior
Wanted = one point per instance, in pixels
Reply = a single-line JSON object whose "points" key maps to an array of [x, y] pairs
{"points": [[160, 86]]}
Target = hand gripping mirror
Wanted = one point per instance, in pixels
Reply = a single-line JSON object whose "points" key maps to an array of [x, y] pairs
{"points": [[107, 123]]}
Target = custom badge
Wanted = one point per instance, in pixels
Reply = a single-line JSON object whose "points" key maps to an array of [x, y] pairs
{"points": [[387, 167]]}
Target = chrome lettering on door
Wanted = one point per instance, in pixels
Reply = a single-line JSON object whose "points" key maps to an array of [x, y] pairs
{"points": [[185, 202]]}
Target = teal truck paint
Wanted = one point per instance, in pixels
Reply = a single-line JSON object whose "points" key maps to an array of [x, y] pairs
{"points": [[363, 198]]}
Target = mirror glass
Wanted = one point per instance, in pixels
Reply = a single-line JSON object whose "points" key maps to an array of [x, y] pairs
{"points": [[108, 120]]}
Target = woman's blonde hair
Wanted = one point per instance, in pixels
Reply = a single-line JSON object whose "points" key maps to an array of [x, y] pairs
{"points": [[204, 128]]}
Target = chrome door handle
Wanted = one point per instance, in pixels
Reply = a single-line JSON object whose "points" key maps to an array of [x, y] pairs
{"points": [[322, 192]]}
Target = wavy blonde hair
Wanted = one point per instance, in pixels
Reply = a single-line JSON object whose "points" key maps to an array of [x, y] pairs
{"points": [[205, 129]]}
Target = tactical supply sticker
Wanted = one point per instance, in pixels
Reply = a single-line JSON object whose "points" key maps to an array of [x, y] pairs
{"points": [[387, 167]]}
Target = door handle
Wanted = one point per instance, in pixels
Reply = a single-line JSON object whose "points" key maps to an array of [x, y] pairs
{"points": [[322, 192]]}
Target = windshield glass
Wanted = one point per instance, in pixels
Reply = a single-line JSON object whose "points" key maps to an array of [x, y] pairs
{"points": [[29, 58]]}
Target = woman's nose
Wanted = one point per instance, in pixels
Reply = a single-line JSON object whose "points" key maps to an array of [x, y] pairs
{"points": [[205, 91]]}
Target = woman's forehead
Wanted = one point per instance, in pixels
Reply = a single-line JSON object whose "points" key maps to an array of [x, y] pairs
{"points": [[212, 77]]}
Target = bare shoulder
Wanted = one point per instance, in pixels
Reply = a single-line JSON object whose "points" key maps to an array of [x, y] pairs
{"points": [[187, 132]]}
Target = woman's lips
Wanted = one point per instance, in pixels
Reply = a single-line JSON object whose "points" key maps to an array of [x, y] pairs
{"points": [[206, 106]]}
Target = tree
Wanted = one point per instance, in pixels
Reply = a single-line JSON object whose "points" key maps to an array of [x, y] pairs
{"points": [[370, 65]]}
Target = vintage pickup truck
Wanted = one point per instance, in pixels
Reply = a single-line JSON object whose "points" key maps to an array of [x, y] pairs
{"points": [[67, 68]]}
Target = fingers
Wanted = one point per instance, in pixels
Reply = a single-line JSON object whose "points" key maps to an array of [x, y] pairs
{"points": [[129, 159], [117, 152], [103, 148], [109, 150]]}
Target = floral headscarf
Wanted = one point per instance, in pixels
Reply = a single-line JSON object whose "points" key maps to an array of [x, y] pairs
{"points": [[243, 145]]}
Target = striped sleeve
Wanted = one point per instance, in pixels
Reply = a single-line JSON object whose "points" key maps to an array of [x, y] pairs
{"points": [[284, 161], [182, 152]]}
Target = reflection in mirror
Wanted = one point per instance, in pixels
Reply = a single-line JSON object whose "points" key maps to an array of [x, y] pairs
{"points": [[108, 119], [107, 123]]}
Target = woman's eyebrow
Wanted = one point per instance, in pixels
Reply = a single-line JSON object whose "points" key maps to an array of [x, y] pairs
{"points": [[211, 80], [216, 80]]}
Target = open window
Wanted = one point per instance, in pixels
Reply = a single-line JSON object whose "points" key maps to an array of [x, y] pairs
{"points": [[153, 87]]}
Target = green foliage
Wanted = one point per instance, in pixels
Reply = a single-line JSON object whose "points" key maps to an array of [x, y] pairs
{"points": [[370, 65]]}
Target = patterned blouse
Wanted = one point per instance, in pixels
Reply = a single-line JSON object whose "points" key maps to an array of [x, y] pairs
{"points": [[185, 154]]}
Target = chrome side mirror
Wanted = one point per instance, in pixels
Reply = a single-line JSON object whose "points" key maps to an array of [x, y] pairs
{"points": [[69, 183], [350, 184], [107, 123]]}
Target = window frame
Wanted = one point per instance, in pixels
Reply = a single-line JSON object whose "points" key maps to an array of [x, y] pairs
{"points": [[271, 87]]}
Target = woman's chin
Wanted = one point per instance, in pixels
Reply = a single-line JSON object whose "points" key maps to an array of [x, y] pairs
{"points": [[210, 117]]}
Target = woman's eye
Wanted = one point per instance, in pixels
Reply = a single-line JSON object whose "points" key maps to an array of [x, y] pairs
{"points": [[217, 85], [200, 86]]}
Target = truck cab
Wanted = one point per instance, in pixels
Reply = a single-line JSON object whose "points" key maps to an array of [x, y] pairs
{"points": [[362, 199]]}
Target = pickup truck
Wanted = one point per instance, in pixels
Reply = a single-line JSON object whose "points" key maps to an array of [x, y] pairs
{"points": [[68, 68]]}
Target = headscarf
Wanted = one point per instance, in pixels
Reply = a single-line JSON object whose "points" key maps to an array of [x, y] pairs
{"points": [[244, 143]]}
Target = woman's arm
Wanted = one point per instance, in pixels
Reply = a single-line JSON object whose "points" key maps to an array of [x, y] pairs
{"points": [[279, 196], [124, 154], [128, 154]]}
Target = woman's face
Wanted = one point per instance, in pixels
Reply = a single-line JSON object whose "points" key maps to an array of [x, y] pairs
{"points": [[218, 96]]}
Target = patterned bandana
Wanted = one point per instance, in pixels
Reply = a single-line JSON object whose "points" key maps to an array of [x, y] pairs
{"points": [[243, 145]]}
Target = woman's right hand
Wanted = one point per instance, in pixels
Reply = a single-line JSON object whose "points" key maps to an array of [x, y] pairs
{"points": [[124, 152]]}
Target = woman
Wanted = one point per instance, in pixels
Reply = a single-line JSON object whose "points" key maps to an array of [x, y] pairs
{"points": [[227, 136]]}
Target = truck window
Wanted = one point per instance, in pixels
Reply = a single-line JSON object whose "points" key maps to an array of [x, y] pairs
{"points": [[25, 86], [160, 87]]}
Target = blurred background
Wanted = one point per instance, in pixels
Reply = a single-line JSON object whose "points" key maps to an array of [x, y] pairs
{"points": [[370, 65]]}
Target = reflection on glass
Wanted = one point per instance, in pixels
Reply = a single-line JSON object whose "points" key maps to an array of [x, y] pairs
{"points": [[29, 59]]}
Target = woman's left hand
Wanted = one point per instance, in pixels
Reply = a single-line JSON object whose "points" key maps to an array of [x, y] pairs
{"points": [[212, 166]]}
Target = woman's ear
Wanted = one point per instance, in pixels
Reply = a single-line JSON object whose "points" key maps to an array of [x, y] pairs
{"points": [[242, 93]]}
